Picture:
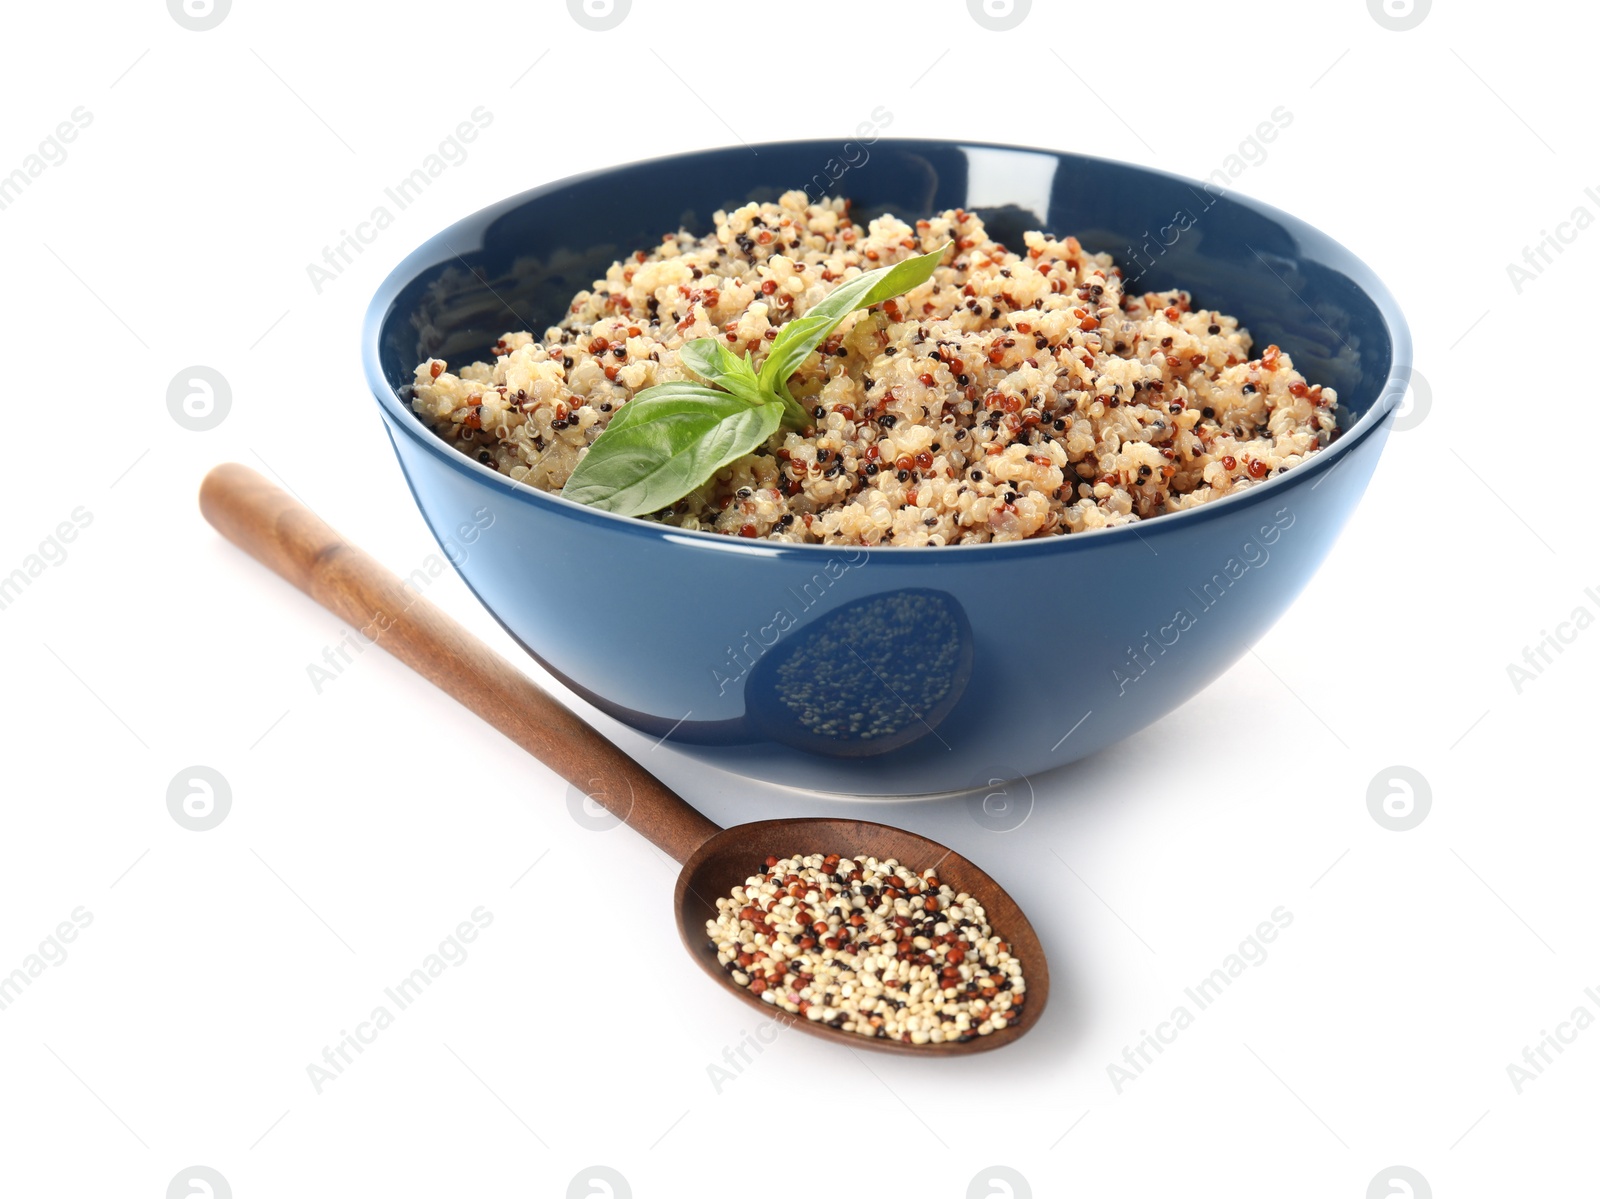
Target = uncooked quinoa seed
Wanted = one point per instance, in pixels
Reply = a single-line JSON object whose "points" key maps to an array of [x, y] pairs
{"points": [[869, 947], [1015, 394]]}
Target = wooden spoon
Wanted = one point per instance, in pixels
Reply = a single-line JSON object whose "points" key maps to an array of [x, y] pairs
{"points": [[275, 528]]}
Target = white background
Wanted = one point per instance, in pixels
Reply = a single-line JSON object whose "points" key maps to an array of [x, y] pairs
{"points": [[370, 819]]}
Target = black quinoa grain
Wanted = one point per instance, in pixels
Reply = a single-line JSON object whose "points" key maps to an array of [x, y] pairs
{"points": [[992, 428]]}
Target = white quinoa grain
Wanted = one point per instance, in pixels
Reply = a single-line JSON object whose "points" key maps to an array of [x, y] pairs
{"points": [[869, 947], [1013, 395]]}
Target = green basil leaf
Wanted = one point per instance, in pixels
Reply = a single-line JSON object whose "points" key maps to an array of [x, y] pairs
{"points": [[797, 339], [669, 445], [673, 438], [700, 356], [711, 359], [642, 405], [737, 366]]}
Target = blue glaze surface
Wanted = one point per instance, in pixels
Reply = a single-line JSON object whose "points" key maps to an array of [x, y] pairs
{"points": [[992, 661]]}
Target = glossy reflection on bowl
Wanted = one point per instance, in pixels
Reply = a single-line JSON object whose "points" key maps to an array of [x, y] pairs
{"points": [[891, 671]]}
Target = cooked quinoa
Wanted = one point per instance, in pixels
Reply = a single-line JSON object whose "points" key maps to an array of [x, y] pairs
{"points": [[869, 947], [1013, 395]]}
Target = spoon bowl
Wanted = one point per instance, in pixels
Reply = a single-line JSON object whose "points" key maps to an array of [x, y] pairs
{"points": [[731, 856]]}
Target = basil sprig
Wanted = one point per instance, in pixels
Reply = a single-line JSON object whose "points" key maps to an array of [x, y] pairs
{"points": [[670, 439]]}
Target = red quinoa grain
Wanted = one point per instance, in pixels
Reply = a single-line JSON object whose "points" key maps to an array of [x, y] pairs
{"points": [[885, 954], [1126, 406]]}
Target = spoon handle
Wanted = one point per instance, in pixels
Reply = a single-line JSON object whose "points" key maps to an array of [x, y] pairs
{"points": [[283, 534]]}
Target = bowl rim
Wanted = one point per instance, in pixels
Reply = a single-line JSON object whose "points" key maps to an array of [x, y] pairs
{"points": [[435, 248]]}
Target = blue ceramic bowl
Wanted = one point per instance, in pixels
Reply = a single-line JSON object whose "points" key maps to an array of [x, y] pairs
{"points": [[891, 671]]}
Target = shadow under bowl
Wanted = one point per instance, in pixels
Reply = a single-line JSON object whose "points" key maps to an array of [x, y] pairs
{"points": [[890, 671]]}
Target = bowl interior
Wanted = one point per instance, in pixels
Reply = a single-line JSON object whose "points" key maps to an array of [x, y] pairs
{"points": [[517, 264]]}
